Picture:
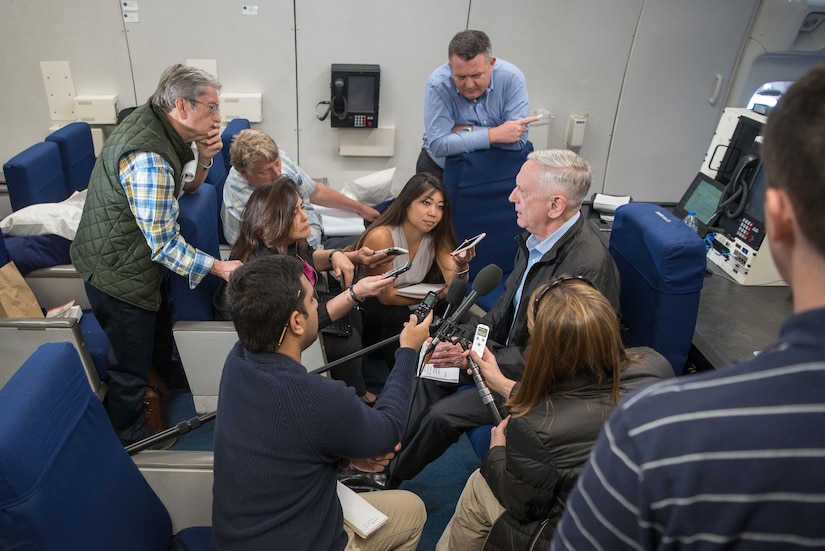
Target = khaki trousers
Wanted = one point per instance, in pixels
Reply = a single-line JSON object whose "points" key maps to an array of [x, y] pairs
{"points": [[476, 511], [402, 531]]}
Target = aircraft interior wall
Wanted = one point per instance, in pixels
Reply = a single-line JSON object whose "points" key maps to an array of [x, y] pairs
{"points": [[652, 76]]}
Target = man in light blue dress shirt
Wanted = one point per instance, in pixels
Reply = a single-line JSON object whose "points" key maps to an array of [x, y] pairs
{"points": [[473, 102]]}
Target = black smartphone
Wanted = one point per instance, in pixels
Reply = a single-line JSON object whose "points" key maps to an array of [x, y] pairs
{"points": [[426, 305], [398, 271], [393, 251]]}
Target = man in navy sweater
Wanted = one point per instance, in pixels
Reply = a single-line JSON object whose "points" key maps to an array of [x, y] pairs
{"points": [[732, 459], [282, 433]]}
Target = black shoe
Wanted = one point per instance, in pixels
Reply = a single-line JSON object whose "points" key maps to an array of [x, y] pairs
{"points": [[359, 481]]}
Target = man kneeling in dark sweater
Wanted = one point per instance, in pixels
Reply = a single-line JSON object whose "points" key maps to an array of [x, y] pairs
{"points": [[282, 433]]}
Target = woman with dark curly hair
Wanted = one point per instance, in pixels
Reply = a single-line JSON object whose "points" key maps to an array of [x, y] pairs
{"points": [[275, 222]]}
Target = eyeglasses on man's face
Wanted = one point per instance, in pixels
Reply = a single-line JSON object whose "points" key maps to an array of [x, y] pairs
{"points": [[215, 109]]}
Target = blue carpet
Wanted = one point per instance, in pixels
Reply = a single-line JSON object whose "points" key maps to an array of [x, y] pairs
{"points": [[438, 485]]}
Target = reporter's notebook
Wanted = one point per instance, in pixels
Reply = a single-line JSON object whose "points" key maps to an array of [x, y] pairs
{"points": [[359, 514]]}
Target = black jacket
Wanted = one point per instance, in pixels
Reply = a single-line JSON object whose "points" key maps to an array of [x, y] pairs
{"points": [[548, 448], [580, 251]]}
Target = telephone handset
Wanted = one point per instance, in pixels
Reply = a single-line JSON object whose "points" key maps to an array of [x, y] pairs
{"points": [[734, 198], [338, 103]]}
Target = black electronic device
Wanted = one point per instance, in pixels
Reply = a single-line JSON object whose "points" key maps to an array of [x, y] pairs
{"points": [[342, 327], [741, 143], [354, 95], [739, 247], [748, 220], [702, 197], [486, 280], [398, 271], [392, 251], [430, 299]]}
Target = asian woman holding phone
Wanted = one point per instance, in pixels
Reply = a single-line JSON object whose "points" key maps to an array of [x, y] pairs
{"points": [[418, 221]]}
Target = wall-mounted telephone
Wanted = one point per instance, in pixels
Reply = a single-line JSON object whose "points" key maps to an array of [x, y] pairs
{"points": [[354, 95], [353, 99]]}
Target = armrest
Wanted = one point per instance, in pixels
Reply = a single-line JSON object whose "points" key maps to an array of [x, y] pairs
{"points": [[183, 482], [20, 337], [203, 347], [57, 285]]}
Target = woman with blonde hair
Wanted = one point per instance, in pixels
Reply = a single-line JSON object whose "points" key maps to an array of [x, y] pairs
{"points": [[575, 371]]}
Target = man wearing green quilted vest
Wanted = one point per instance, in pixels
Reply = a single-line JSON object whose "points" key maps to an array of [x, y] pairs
{"points": [[129, 237]]}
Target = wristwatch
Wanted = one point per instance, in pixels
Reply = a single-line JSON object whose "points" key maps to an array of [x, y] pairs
{"points": [[467, 128]]}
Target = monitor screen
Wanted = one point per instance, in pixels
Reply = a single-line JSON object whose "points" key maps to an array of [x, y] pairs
{"points": [[361, 94], [703, 199]]}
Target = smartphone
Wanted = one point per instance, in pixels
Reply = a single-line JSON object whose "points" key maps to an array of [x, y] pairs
{"points": [[426, 305], [398, 271], [393, 251], [469, 243], [480, 339]]}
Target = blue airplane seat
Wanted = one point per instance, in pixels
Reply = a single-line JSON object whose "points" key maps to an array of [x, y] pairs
{"points": [[35, 175], [198, 220], [479, 183], [65, 478], [661, 263], [232, 129], [77, 154], [217, 177]]}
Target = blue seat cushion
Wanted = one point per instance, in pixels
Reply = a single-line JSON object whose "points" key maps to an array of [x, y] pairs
{"points": [[30, 252], [198, 220], [77, 154], [479, 184], [64, 475], [232, 129], [662, 265], [35, 175], [97, 343]]}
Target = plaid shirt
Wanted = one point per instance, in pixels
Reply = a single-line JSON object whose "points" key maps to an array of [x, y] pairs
{"points": [[148, 182]]}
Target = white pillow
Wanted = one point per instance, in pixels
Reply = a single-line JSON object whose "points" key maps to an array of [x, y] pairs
{"points": [[371, 189], [47, 218]]}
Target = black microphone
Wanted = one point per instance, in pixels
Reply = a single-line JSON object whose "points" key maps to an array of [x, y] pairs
{"points": [[484, 283], [455, 294]]}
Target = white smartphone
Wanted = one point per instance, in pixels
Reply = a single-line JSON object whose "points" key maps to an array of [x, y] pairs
{"points": [[480, 339], [469, 243]]}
